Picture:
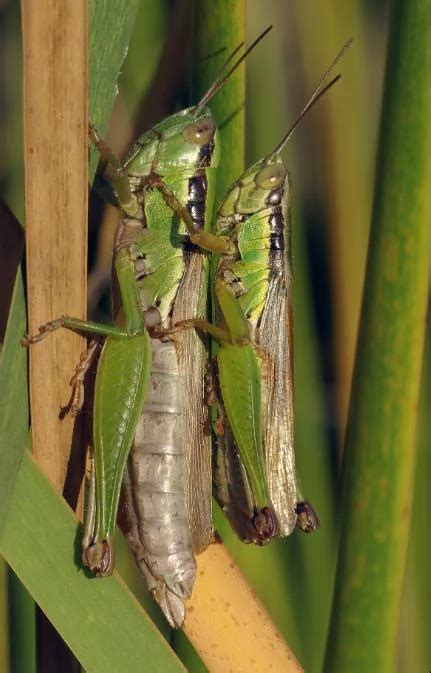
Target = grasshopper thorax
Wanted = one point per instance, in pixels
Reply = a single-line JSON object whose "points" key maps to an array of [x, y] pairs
{"points": [[185, 141]]}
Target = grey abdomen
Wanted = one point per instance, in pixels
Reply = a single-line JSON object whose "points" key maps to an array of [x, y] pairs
{"points": [[155, 490]]}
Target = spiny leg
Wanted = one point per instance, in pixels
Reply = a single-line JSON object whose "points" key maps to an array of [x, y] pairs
{"points": [[77, 380], [212, 397], [90, 514]]}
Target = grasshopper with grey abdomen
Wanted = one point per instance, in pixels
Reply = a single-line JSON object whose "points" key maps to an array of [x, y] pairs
{"points": [[149, 385]]}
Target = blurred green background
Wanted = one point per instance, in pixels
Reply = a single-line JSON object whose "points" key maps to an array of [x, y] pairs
{"points": [[332, 162]]}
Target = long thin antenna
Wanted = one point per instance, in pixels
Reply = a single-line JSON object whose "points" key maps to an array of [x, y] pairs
{"points": [[318, 93], [226, 63], [303, 112], [218, 83]]}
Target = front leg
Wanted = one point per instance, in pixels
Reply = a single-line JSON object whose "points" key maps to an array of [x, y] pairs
{"points": [[201, 238], [120, 182], [217, 333]]}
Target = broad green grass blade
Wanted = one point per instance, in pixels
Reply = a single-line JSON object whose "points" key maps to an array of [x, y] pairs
{"points": [[13, 395], [13, 437], [146, 46], [380, 455], [110, 29], [415, 644], [4, 632], [22, 627], [217, 29], [342, 172], [100, 620]]}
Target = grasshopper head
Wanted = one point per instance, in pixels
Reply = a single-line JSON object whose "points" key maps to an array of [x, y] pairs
{"points": [[185, 141], [263, 185], [267, 182]]}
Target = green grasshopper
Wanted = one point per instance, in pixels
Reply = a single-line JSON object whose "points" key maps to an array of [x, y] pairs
{"points": [[255, 479], [149, 387]]}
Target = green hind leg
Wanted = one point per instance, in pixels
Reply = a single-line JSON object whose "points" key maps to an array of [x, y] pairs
{"points": [[233, 314], [125, 270]]}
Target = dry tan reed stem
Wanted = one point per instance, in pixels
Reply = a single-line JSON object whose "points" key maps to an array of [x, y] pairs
{"points": [[55, 129], [228, 626]]}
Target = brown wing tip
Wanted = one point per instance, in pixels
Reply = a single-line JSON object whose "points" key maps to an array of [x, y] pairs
{"points": [[306, 518]]}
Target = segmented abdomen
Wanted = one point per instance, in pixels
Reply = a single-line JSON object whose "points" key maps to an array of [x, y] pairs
{"points": [[155, 489]]}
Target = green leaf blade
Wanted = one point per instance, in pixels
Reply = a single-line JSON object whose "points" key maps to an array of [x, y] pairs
{"points": [[14, 414], [100, 620], [380, 455]]}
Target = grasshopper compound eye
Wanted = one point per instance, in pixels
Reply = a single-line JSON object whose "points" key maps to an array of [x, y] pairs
{"points": [[271, 176], [200, 132]]}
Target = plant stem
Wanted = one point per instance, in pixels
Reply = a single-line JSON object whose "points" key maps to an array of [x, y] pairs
{"points": [[218, 29], [380, 455]]}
